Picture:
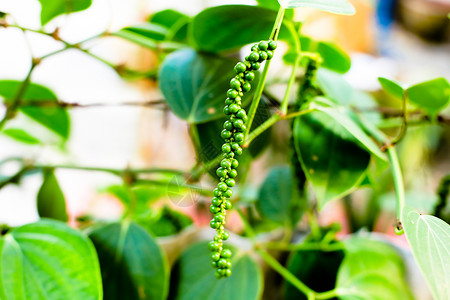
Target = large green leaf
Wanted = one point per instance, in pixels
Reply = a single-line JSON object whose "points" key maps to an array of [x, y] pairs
{"points": [[274, 5], [194, 85], [330, 156], [229, 27], [176, 22], [371, 270], [429, 238], [54, 8], [317, 269], [154, 32], [432, 96], [54, 118], [21, 136], [133, 266], [193, 277], [334, 86], [278, 199], [342, 7], [48, 260], [392, 87], [50, 199]]}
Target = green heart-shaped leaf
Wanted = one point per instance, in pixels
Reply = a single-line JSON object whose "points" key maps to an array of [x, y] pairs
{"points": [[48, 260], [133, 266], [432, 96], [429, 238], [392, 87], [193, 277]]}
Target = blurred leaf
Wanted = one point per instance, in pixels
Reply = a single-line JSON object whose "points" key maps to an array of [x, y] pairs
{"points": [[194, 85], [429, 238], [371, 270], [317, 269], [278, 200], [48, 260], [228, 27], [334, 86], [54, 118], [167, 18], [330, 156], [21, 136], [133, 266], [168, 222], [274, 5], [334, 58], [392, 87], [150, 31], [340, 116], [54, 8], [193, 277], [50, 199], [432, 96], [341, 7]]}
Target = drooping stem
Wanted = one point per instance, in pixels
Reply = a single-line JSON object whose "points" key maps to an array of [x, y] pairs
{"points": [[398, 180], [260, 87]]}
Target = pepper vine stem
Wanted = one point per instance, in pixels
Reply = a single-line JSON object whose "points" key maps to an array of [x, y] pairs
{"points": [[260, 86], [398, 180]]}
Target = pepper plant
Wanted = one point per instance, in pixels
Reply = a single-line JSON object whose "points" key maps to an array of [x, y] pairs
{"points": [[323, 140]]}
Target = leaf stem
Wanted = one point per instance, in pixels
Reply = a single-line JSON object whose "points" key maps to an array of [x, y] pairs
{"points": [[260, 86], [398, 180]]}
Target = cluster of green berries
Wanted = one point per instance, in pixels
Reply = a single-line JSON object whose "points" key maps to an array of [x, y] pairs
{"points": [[233, 134]]}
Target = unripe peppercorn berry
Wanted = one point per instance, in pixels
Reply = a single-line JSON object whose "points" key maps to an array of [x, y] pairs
{"points": [[230, 182], [254, 56], [263, 45], [228, 125], [262, 56], [232, 93], [227, 204], [247, 87], [250, 75], [234, 108], [234, 164], [272, 45], [233, 173], [228, 193], [214, 209], [239, 137], [222, 186], [256, 66], [235, 84], [214, 224], [226, 164], [269, 54], [240, 68], [226, 110], [226, 253], [241, 114], [215, 256], [226, 134], [226, 148]]}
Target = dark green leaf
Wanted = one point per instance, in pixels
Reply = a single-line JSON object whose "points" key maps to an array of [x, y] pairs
{"points": [[334, 58], [391, 87], [133, 266], [342, 7], [54, 8], [48, 260], [278, 200], [167, 222], [54, 118], [194, 85], [149, 31], [432, 96], [429, 238], [21, 136], [50, 199], [167, 18], [193, 277], [229, 27], [317, 269], [330, 156], [371, 270]]}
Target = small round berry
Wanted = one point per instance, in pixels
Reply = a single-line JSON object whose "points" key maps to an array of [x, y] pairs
{"points": [[226, 110], [216, 201], [263, 45], [269, 54], [255, 47], [226, 253], [241, 114], [213, 224], [240, 68], [272, 45], [229, 101], [227, 273], [213, 246], [227, 204], [235, 84], [263, 56], [222, 186], [238, 123], [228, 125], [218, 274], [246, 87], [226, 164], [248, 65], [256, 66], [226, 148], [254, 56], [238, 151], [215, 256], [226, 134], [229, 155], [217, 193], [234, 164], [233, 173], [225, 235], [239, 137], [228, 193], [214, 209], [250, 75], [232, 93], [230, 182], [228, 265], [234, 108], [214, 264], [219, 218], [222, 263]]}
